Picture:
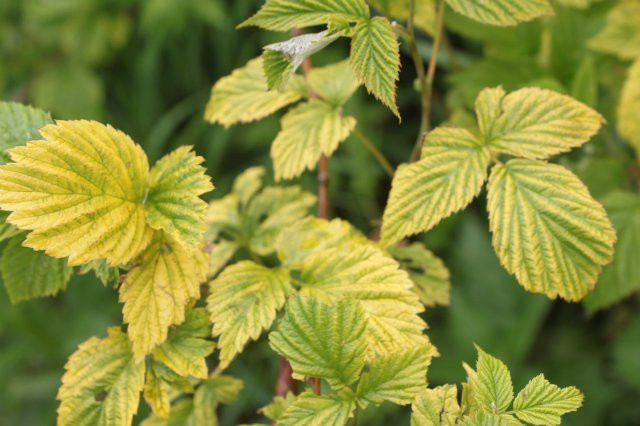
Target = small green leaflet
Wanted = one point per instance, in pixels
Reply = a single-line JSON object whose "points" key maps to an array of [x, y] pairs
{"points": [[18, 125], [502, 13], [542, 403], [436, 407], [629, 106], [621, 35], [492, 386], [319, 410], [278, 406], [322, 340]]}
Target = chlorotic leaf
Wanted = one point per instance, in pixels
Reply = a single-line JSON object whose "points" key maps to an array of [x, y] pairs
{"points": [[492, 386], [375, 58], [503, 13], [534, 123], [244, 300], [276, 408], [248, 183], [482, 418], [629, 106], [102, 383], [424, 14], [319, 410], [18, 125], [309, 131], [547, 229], [334, 83], [186, 346], [398, 377], [431, 278], [542, 403], [80, 192], [244, 96], [182, 414], [436, 407], [157, 393], [284, 15], [322, 340], [27, 273], [621, 34], [157, 290], [213, 391], [447, 178], [172, 203]]}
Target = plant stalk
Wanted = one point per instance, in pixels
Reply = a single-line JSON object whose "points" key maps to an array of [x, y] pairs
{"points": [[379, 156]]}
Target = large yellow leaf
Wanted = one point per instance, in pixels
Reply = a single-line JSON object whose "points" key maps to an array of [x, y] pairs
{"points": [[80, 192], [629, 107], [156, 291], [547, 229], [502, 13]]}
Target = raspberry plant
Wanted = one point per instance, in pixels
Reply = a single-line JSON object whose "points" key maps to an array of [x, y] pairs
{"points": [[198, 282]]}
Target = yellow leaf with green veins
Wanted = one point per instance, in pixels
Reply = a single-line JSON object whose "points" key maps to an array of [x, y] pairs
{"points": [[309, 131], [243, 301], [629, 107], [334, 83], [101, 384], [156, 393], [18, 125], [319, 410], [80, 192], [534, 123], [492, 386], [375, 58], [322, 340], [447, 178], [243, 96], [542, 403], [621, 34], [156, 291], [483, 418], [503, 13], [284, 15], [436, 407], [547, 229], [172, 203]]}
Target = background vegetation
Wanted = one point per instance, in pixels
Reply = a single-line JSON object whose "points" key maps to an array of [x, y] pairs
{"points": [[147, 67]]}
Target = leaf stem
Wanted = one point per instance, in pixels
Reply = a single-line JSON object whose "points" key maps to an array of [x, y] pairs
{"points": [[426, 80], [379, 156]]}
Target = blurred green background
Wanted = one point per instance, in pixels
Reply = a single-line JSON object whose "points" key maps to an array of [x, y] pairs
{"points": [[147, 67]]}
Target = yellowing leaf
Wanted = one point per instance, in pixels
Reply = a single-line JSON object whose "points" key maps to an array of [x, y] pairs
{"points": [[322, 340], [244, 96], [309, 131], [319, 410], [629, 106], [425, 12], [621, 35], [502, 13], [172, 203], [157, 290], [375, 59], [542, 403], [18, 125], [156, 393], [277, 407], [334, 83], [101, 384], [492, 386], [80, 192], [436, 407], [447, 178], [27, 273], [213, 391], [283, 15], [248, 183], [547, 230], [186, 346], [398, 377], [483, 418], [534, 123], [244, 300]]}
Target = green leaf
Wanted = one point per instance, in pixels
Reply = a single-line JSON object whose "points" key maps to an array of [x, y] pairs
{"points": [[27, 273], [18, 125], [547, 229], [156, 292], [102, 383], [172, 203], [375, 58], [309, 131], [447, 178], [534, 123], [629, 105], [322, 340], [334, 83], [542, 403], [213, 391], [503, 13], [436, 407], [622, 276], [108, 275], [424, 16], [7, 230], [278, 406], [244, 300], [319, 410], [398, 377], [186, 346], [244, 96], [492, 386], [284, 15], [431, 278], [481, 418], [80, 192], [621, 34]]}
